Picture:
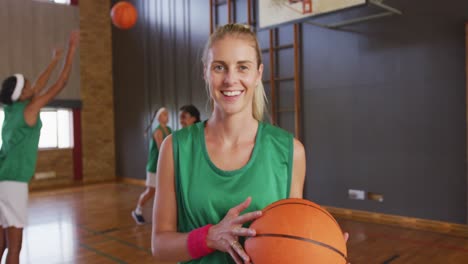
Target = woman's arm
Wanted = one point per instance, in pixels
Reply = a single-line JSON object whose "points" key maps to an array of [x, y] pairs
{"points": [[34, 107], [299, 170], [45, 75], [167, 244], [158, 138]]}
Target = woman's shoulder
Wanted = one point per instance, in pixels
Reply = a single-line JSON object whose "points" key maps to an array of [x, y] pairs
{"points": [[16, 105], [275, 131]]}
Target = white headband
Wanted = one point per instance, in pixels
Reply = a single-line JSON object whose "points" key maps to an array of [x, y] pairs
{"points": [[18, 88]]}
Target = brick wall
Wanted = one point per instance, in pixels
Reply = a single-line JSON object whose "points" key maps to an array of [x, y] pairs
{"points": [[59, 161], [97, 91], [97, 117]]}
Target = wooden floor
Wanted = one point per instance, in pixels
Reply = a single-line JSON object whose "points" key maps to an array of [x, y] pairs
{"points": [[93, 225]]}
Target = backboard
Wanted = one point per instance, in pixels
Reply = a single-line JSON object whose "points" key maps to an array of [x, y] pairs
{"points": [[275, 12]]}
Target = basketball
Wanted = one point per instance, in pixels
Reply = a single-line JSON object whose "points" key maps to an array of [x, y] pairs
{"points": [[124, 15], [296, 231]]}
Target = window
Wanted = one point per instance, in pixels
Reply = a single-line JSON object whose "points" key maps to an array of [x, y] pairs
{"points": [[65, 2], [62, 2], [57, 128]]}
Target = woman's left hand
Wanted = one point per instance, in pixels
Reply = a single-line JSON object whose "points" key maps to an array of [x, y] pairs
{"points": [[74, 38], [57, 53]]}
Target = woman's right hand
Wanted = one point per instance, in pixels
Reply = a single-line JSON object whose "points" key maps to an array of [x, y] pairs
{"points": [[224, 236], [57, 53]]}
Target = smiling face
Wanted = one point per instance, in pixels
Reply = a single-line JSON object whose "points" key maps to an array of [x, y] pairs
{"points": [[232, 73], [186, 119]]}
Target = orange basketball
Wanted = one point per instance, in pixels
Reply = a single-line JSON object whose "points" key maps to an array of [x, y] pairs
{"points": [[296, 231], [124, 15]]}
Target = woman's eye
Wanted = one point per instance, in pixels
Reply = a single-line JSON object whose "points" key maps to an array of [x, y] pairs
{"points": [[218, 68]]}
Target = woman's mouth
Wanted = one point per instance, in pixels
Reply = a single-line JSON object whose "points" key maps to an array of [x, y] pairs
{"points": [[231, 93]]}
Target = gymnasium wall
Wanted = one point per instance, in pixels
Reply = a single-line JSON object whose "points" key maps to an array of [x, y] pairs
{"points": [[156, 64], [30, 30], [383, 101], [97, 116], [59, 161], [385, 111], [97, 111]]}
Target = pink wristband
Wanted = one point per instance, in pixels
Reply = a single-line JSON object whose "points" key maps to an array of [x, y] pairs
{"points": [[196, 242]]}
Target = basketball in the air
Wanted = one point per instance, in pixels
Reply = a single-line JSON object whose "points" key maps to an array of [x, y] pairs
{"points": [[296, 231], [124, 15]]}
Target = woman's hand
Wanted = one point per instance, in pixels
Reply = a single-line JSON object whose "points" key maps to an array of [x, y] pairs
{"points": [[225, 235], [57, 54]]}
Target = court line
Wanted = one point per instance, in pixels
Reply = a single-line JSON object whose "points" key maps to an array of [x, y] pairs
{"points": [[95, 232], [129, 244], [100, 253], [103, 234], [391, 259]]}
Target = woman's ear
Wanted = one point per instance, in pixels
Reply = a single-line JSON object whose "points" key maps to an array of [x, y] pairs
{"points": [[260, 73]]}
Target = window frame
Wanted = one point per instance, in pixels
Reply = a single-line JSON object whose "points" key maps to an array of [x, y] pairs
{"points": [[57, 140]]}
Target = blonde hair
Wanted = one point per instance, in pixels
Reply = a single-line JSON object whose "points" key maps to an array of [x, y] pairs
{"points": [[155, 116], [240, 30], [158, 114]]}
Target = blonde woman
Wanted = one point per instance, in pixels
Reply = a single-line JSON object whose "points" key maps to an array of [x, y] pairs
{"points": [[158, 135], [217, 175]]}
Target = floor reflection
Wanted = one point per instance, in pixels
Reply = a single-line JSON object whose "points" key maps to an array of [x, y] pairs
{"points": [[92, 225], [86, 225], [53, 242]]}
